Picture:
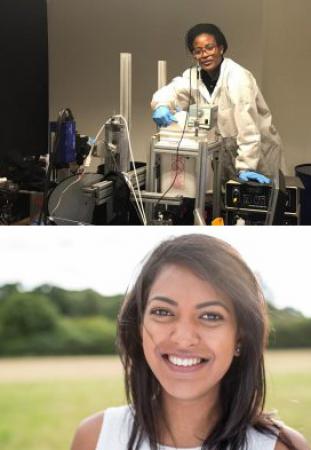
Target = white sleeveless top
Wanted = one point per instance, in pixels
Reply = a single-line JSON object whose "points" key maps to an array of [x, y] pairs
{"points": [[117, 425]]}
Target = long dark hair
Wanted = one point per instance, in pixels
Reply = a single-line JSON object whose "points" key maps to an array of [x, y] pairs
{"points": [[243, 388]]}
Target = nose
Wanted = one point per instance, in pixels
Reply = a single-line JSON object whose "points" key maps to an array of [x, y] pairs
{"points": [[205, 51], [185, 334]]}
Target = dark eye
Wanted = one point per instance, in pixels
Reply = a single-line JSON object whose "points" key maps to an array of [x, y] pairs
{"points": [[160, 312], [214, 317]]}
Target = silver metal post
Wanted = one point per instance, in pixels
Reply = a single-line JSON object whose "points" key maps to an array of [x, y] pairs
{"points": [[217, 182], [162, 74], [202, 177], [126, 87]]}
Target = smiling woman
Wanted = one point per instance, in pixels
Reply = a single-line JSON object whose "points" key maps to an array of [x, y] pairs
{"points": [[189, 333], [192, 332], [252, 144]]}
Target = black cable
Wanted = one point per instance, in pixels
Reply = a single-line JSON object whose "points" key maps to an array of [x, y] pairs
{"points": [[178, 146]]}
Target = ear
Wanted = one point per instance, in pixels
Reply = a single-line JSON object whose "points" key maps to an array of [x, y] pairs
{"points": [[238, 347], [221, 49], [237, 351]]}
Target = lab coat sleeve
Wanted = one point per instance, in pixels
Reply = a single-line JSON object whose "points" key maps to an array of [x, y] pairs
{"points": [[174, 95], [243, 92]]}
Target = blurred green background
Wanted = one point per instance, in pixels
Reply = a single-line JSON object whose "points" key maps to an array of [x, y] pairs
{"points": [[49, 320]]}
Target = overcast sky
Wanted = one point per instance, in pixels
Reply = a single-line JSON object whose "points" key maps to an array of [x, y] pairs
{"points": [[106, 258]]}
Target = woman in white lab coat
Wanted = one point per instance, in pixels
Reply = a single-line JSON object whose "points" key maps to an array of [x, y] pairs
{"points": [[253, 145]]}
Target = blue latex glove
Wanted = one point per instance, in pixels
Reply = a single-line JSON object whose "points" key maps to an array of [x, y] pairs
{"points": [[163, 116], [248, 175]]}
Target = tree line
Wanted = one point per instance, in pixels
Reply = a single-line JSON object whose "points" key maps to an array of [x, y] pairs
{"points": [[49, 320]]}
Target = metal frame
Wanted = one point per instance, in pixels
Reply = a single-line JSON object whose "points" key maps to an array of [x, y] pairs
{"points": [[202, 151]]}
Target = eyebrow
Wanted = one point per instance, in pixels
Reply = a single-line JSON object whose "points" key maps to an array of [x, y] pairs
{"points": [[210, 43], [198, 306]]}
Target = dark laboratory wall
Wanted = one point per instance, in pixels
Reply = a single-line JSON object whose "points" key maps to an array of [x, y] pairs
{"points": [[86, 38], [23, 77]]}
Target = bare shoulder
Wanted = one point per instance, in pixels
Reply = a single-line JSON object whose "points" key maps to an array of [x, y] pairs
{"points": [[295, 437], [87, 433]]}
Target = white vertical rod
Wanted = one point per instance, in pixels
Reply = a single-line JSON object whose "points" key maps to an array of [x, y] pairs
{"points": [[126, 87], [162, 74]]}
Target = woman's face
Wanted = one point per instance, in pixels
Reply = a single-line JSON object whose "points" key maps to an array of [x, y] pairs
{"points": [[189, 334], [206, 52]]}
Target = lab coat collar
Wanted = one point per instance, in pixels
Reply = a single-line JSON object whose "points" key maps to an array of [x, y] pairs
{"points": [[203, 89]]}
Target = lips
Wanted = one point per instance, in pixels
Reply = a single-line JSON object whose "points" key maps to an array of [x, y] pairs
{"points": [[185, 362], [182, 363], [208, 61]]}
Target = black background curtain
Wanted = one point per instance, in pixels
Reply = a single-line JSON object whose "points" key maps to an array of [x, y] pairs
{"points": [[23, 77]]}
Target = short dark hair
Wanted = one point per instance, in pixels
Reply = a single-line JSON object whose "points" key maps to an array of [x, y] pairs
{"points": [[207, 28], [242, 392]]}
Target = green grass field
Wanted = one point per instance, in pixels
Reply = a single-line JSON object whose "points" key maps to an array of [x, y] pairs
{"points": [[40, 411], [289, 388]]}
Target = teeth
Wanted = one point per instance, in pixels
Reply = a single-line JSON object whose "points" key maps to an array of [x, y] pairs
{"points": [[185, 362]]}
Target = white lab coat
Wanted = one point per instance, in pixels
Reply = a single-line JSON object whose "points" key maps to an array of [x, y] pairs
{"points": [[244, 119]]}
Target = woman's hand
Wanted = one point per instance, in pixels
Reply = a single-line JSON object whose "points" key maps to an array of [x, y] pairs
{"points": [[248, 175], [163, 116]]}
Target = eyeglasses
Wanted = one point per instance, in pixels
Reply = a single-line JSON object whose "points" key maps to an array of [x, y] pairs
{"points": [[209, 49]]}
